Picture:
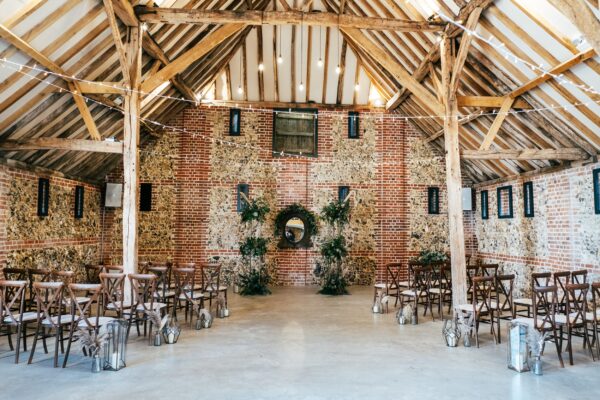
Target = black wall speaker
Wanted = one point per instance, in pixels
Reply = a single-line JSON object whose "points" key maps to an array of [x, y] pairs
{"points": [[146, 197], [43, 197], [79, 190]]}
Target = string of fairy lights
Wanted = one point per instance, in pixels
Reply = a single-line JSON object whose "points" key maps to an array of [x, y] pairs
{"points": [[29, 71], [381, 117]]}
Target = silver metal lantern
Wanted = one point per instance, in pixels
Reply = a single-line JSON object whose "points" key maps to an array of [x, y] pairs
{"points": [[518, 352], [115, 347]]}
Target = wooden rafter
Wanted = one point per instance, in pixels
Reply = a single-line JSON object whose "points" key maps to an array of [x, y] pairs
{"points": [[114, 28], [23, 46], [580, 14], [46, 143], [569, 154], [293, 17], [463, 50]]}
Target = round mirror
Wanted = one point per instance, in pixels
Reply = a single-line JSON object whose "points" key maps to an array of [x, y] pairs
{"points": [[294, 230]]}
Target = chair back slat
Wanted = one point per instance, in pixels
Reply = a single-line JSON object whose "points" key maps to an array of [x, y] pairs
{"points": [[81, 311], [505, 285], [482, 293], [12, 293], [578, 277], [49, 297], [143, 287], [211, 277], [577, 303]]}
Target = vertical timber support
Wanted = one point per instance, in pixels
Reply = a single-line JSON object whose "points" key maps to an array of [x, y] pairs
{"points": [[131, 136], [453, 179]]}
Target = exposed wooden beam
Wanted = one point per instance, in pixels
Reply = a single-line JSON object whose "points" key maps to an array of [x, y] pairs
{"points": [[292, 17], [463, 50], [49, 143], [125, 12], [462, 121], [453, 180], [560, 68], [102, 87], [23, 46], [489, 102], [340, 82], [176, 66], [114, 28], [568, 154], [39, 170], [580, 15], [280, 104], [285, 5], [397, 70], [495, 127]]}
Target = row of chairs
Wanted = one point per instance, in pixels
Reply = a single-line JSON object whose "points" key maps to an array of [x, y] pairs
{"points": [[62, 306]]}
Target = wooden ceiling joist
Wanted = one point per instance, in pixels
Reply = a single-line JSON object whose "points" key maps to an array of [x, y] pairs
{"points": [[568, 154], [292, 17], [47, 143]]}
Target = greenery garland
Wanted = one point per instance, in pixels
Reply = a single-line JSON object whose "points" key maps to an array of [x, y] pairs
{"points": [[255, 210], [296, 209], [253, 247], [428, 257]]}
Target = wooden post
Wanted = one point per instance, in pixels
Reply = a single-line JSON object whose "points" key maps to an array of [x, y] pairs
{"points": [[131, 136], [453, 179]]}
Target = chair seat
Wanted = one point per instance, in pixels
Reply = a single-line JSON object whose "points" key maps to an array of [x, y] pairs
{"points": [[412, 293], [530, 322], [168, 293], [382, 285], [146, 306], [562, 319], [468, 307], [590, 316], [27, 317], [92, 320], [221, 289], [439, 290], [80, 300], [404, 283], [195, 295], [64, 320], [117, 304], [523, 302]]}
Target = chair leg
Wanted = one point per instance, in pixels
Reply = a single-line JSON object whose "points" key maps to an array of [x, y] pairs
{"points": [[44, 340], [35, 339], [558, 350], [477, 330], [68, 347], [57, 342], [19, 329], [10, 342]]}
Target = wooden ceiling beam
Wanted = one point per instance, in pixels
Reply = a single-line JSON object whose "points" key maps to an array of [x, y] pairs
{"points": [[463, 51], [566, 154], [50, 143], [116, 33], [280, 104], [578, 12], [292, 17], [178, 65], [125, 12], [489, 102]]}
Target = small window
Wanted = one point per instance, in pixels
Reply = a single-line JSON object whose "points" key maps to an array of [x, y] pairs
{"points": [[353, 125], [596, 179], [433, 200], [343, 192], [243, 193], [505, 202], [43, 197], [295, 132], [235, 122], [484, 205], [528, 199], [79, 202], [146, 197]]}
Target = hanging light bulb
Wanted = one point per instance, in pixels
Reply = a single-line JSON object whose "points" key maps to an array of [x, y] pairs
{"points": [[357, 87], [261, 67], [240, 90], [301, 87], [320, 63], [338, 70], [144, 27], [279, 59]]}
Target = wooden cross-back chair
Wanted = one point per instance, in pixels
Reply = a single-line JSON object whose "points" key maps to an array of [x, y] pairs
{"points": [[36, 275], [472, 272], [538, 279], [50, 316], [544, 312], [92, 273], [15, 274], [481, 306], [113, 291], [419, 293], [504, 301], [163, 293], [561, 280], [579, 277], [82, 315], [593, 317], [143, 287], [186, 293], [575, 317], [211, 283], [391, 283], [12, 312], [441, 286]]}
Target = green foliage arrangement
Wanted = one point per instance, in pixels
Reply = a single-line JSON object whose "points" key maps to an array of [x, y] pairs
{"points": [[296, 209], [253, 247], [255, 210], [253, 276], [330, 271], [254, 282], [429, 257]]}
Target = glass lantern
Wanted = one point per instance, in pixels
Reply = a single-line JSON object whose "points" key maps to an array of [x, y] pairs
{"points": [[116, 345], [518, 351]]}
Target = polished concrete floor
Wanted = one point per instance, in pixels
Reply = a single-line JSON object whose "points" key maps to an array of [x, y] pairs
{"points": [[295, 344]]}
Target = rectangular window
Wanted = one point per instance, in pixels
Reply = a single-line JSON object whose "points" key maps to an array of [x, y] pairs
{"points": [[528, 199], [79, 202], [43, 197], [484, 205], [235, 122], [433, 200], [343, 192], [353, 125], [596, 178], [505, 202], [146, 197], [243, 193], [295, 132]]}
